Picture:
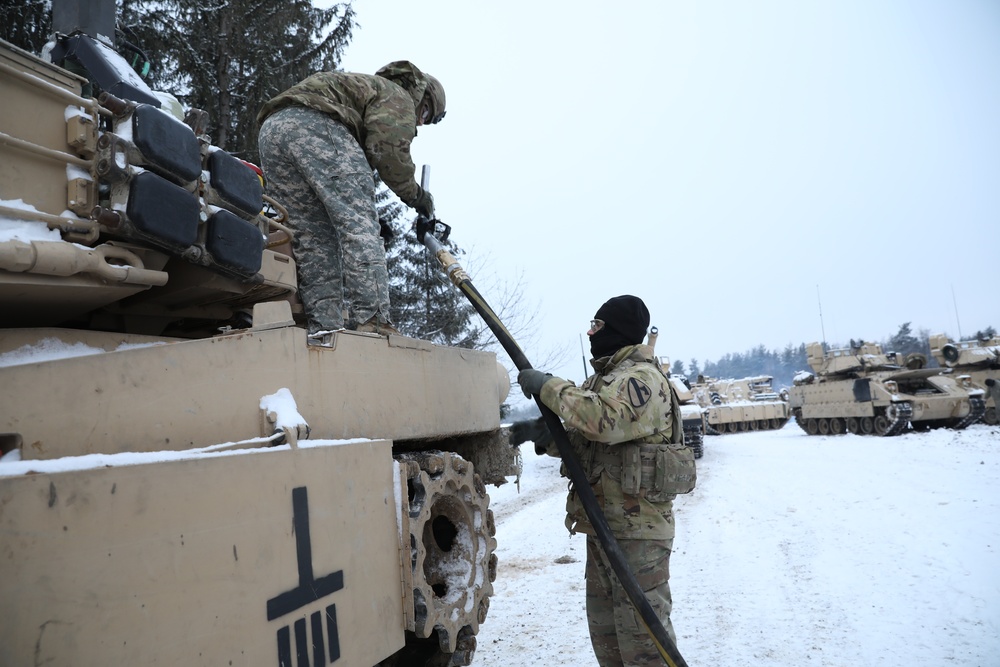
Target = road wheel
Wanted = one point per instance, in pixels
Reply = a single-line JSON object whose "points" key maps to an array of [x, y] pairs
{"points": [[824, 426], [882, 424], [452, 558], [990, 417], [732, 427], [866, 426], [752, 425], [812, 427], [837, 426], [853, 425]]}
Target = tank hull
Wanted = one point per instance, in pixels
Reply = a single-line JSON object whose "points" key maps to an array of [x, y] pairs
{"points": [[748, 404], [207, 559], [177, 394]]}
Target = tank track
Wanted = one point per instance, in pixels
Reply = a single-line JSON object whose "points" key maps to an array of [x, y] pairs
{"points": [[977, 408], [452, 557], [898, 418], [891, 421], [695, 440], [743, 427]]}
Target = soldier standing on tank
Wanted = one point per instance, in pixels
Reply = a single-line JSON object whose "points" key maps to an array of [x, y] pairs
{"points": [[622, 422], [320, 141]]}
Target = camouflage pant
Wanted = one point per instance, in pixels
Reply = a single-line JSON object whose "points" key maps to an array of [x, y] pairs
{"points": [[616, 630], [317, 170]]}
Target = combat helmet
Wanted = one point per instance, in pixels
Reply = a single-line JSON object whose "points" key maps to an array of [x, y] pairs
{"points": [[435, 94], [423, 87]]}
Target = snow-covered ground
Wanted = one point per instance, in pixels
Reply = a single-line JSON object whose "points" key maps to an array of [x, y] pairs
{"points": [[793, 550]]}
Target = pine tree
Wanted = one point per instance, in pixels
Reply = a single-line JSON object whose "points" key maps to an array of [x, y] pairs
{"points": [[228, 57], [904, 342], [422, 301], [695, 370], [677, 368], [27, 24]]}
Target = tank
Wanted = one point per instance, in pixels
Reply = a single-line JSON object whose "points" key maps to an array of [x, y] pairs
{"points": [[979, 359], [746, 404], [692, 415], [188, 477], [863, 390]]}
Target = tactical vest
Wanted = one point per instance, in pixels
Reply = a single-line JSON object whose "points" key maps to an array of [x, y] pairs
{"points": [[657, 467]]}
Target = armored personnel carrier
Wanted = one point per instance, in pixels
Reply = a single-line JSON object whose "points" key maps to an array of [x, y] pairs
{"points": [[186, 476], [747, 404], [979, 359], [863, 390]]}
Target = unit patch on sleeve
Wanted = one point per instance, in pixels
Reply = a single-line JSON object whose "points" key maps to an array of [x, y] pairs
{"points": [[638, 392]]}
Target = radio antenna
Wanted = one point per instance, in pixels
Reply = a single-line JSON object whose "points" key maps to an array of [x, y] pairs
{"points": [[821, 326], [957, 321]]}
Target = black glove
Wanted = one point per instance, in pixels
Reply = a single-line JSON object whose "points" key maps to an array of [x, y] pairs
{"points": [[531, 381], [534, 430], [424, 204], [385, 231]]}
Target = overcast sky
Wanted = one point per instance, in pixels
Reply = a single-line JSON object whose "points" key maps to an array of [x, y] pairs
{"points": [[733, 164]]}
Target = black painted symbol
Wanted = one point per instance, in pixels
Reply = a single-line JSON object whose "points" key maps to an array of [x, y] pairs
{"points": [[308, 591], [638, 393]]}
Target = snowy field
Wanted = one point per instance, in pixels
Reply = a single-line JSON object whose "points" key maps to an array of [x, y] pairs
{"points": [[793, 550]]}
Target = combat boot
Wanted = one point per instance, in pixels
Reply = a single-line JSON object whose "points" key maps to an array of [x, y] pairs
{"points": [[376, 327]]}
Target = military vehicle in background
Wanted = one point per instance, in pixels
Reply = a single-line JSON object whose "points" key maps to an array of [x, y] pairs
{"points": [[692, 415], [865, 391], [979, 359], [747, 404], [187, 477]]}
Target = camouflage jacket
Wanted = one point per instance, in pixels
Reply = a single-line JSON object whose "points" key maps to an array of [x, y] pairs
{"points": [[627, 401], [380, 110]]}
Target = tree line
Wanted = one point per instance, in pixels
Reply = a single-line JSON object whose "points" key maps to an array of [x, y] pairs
{"points": [[783, 364]]}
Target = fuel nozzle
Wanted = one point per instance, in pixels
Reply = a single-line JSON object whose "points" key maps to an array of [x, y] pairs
{"points": [[437, 229]]}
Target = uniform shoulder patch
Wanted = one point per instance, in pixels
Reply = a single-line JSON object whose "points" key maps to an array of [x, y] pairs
{"points": [[638, 392]]}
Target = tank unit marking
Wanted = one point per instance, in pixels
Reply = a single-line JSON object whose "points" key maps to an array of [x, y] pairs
{"points": [[308, 591]]}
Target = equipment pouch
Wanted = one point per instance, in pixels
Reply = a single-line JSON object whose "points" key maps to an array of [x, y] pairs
{"points": [[667, 470], [631, 469]]}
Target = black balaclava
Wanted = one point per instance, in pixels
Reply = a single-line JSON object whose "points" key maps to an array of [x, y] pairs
{"points": [[626, 319]]}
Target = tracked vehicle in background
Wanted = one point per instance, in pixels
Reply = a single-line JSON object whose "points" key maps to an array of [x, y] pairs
{"points": [[692, 415], [747, 404], [979, 359], [186, 476], [863, 390]]}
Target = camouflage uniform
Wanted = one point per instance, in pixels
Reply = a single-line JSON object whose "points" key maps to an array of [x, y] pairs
{"points": [[319, 142], [622, 423]]}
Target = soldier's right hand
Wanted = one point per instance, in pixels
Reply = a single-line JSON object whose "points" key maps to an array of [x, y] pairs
{"points": [[531, 381], [424, 204]]}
